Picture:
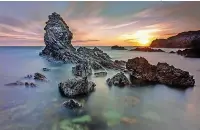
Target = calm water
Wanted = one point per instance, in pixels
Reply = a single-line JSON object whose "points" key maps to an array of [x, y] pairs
{"points": [[151, 107]]}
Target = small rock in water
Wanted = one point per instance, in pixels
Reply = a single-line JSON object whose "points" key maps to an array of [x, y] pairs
{"points": [[29, 76], [15, 83], [32, 85], [72, 104], [39, 76], [100, 74], [118, 80], [75, 87], [46, 69], [26, 84], [82, 69]]}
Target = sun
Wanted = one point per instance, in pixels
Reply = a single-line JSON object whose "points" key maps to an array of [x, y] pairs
{"points": [[142, 38]]}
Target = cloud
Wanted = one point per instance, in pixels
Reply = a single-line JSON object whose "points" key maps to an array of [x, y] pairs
{"points": [[118, 26]]}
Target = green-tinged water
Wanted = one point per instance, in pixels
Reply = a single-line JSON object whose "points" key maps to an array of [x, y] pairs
{"points": [[155, 107]]}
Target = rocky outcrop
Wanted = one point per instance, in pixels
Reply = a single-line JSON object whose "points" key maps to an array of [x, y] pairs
{"points": [[118, 80], [72, 104], [181, 40], [75, 87], [161, 73], [120, 62], [39, 76], [118, 48], [83, 70], [172, 52], [193, 51], [17, 83], [147, 49], [58, 38], [100, 74]]}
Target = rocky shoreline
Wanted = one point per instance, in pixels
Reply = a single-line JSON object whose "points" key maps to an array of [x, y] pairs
{"points": [[87, 61]]}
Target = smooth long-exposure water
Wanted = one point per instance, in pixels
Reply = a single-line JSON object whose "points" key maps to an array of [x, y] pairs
{"points": [[155, 107]]}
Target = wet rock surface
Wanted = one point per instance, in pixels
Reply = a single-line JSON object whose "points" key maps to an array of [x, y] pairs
{"points": [[46, 69], [100, 74], [72, 104], [75, 87], [147, 49], [39, 76], [118, 48], [161, 73], [82, 70], [119, 79]]}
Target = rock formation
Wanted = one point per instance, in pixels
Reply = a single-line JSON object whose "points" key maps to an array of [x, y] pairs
{"points": [[39, 76], [100, 74], [118, 80], [72, 104], [83, 70], [46, 69], [58, 38], [118, 48], [181, 40], [75, 87], [146, 49], [161, 73]]}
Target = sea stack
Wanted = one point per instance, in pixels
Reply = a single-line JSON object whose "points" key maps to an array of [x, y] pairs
{"points": [[58, 39]]}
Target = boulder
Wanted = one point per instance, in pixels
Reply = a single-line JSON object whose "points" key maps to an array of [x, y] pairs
{"points": [[118, 48], [82, 69], [72, 104], [75, 87], [147, 49], [161, 73], [39, 76], [100, 74], [118, 80]]}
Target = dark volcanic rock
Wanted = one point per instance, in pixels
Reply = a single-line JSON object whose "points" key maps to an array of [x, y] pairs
{"points": [[46, 69], [83, 69], [72, 104], [181, 40], [100, 74], [39, 76], [172, 52], [118, 48], [59, 48], [118, 80], [17, 83], [147, 49], [75, 87], [120, 62], [160, 73], [191, 53]]}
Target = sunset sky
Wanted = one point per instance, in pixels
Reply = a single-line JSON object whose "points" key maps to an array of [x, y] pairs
{"points": [[98, 23]]}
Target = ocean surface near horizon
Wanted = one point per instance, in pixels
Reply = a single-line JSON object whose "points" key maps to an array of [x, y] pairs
{"points": [[154, 107]]}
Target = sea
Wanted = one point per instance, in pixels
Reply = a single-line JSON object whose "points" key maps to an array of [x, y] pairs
{"points": [[150, 107]]}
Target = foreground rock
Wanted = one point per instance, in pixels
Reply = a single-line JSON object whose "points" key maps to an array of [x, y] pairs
{"points": [[118, 48], [120, 62], [39, 76], [100, 74], [118, 80], [75, 87], [147, 49], [58, 38], [72, 104], [82, 70], [161, 73]]}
